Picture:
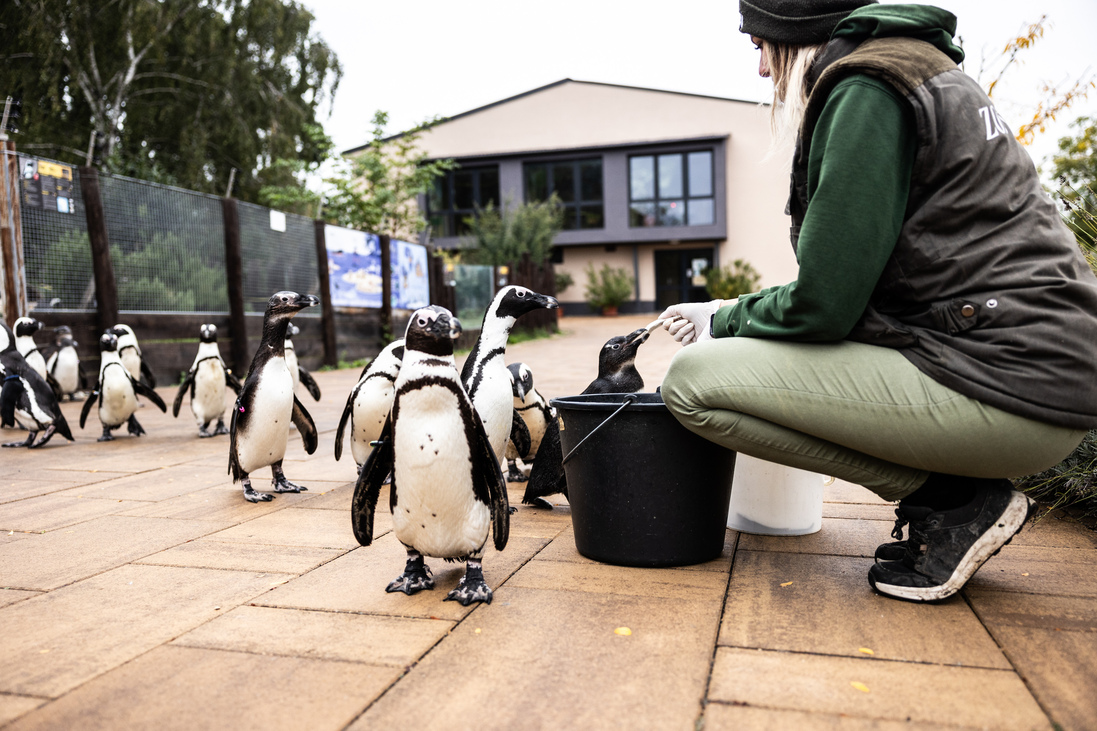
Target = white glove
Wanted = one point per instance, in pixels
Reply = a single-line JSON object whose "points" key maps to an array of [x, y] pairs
{"points": [[689, 322]]}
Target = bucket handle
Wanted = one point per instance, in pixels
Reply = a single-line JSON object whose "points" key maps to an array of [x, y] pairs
{"points": [[630, 399]]}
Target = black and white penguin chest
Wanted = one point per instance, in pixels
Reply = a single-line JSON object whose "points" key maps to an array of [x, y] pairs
{"points": [[117, 399], [494, 402], [263, 425], [64, 366], [372, 404], [437, 512], [535, 413], [208, 400]]}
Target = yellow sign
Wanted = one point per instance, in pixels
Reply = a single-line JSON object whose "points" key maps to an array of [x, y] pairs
{"points": [[54, 170]]}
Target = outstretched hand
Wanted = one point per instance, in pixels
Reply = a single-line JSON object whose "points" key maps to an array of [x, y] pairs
{"points": [[688, 322]]}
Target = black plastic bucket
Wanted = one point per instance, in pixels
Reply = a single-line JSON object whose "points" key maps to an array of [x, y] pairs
{"points": [[644, 490]]}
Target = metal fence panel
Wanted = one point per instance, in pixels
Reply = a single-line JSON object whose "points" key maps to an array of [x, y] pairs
{"points": [[167, 246], [474, 293], [277, 260], [56, 251]]}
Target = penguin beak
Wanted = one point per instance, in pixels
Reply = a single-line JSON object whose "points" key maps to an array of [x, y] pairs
{"points": [[306, 300], [638, 337], [454, 328], [521, 388], [549, 303]]}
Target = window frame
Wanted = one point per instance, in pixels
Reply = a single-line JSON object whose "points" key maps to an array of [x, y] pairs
{"points": [[683, 155], [573, 208], [452, 218]]}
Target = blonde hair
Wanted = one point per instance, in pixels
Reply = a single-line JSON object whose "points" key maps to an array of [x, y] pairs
{"points": [[788, 67]]}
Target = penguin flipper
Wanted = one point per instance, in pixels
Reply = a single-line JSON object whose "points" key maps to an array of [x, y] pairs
{"points": [[519, 435], [183, 387], [61, 426], [547, 476], [54, 385], [305, 426], [88, 403], [309, 383], [143, 390], [232, 381], [234, 461], [368, 487], [488, 482], [343, 423], [146, 373], [9, 395]]}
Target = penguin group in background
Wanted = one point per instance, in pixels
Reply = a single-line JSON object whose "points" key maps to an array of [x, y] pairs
{"points": [[266, 405], [616, 374], [369, 403], [64, 364], [297, 371], [25, 328], [537, 419], [447, 489], [207, 381], [130, 354], [117, 392], [26, 397], [485, 374]]}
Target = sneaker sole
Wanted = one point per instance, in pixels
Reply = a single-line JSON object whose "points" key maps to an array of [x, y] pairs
{"points": [[989, 544]]}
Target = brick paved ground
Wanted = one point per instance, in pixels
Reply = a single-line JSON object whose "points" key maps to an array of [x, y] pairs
{"points": [[140, 591]]}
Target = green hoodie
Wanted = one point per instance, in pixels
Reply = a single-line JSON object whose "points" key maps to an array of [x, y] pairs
{"points": [[859, 170]]}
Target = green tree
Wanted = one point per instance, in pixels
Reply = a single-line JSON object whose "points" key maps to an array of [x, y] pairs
{"points": [[503, 235], [1075, 167], [607, 287], [178, 91], [731, 281]]}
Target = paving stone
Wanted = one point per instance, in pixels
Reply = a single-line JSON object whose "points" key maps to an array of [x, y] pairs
{"points": [[213, 689], [1039, 570], [59, 510], [563, 548], [356, 582], [723, 717], [829, 608], [1055, 531], [21, 489], [512, 660], [54, 642], [1058, 613], [54, 559], [11, 596], [224, 504], [333, 496], [294, 527], [841, 491], [212, 554], [979, 697], [14, 706], [837, 537], [860, 511], [668, 583], [377, 640], [1060, 667], [153, 485], [321, 466]]}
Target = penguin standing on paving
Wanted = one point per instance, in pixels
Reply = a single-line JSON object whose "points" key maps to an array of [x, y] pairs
{"points": [[26, 397], [25, 328], [266, 404], [207, 380], [447, 489], [485, 374], [130, 354], [117, 392], [64, 364], [534, 416], [616, 374], [369, 403], [298, 372]]}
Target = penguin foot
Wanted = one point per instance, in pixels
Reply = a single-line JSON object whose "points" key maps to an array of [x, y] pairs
{"points": [[257, 497], [204, 433], [538, 502], [134, 427], [50, 431], [512, 509], [416, 577], [471, 588], [107, 436], [221, 428], [28, 443], [281, 484], [516, 475]]}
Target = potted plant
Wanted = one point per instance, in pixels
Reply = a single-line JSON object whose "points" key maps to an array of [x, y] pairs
{"points": [[607, 288]]}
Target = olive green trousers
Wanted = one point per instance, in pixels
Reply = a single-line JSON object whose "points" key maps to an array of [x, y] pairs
{"points": [[857, 412]]}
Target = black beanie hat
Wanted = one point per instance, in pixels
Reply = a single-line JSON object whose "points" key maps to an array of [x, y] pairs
{"points": [[795, 22]]}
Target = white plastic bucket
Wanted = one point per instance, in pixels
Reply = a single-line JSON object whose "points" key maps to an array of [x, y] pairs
{"points": [[774, 500]]}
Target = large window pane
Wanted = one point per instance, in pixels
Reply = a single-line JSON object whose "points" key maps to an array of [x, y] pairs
{"points": [[672, 213], [563, 182], [700, 174], [670, 176], [642, 178], [591, 217], [489, 187], [537, 186], [457, 195], [701, 212], [641, 214], [463, 189], [590, 181]]}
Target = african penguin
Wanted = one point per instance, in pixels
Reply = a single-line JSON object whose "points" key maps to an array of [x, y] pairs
{"points": [[534, 413], [64, 364], [617, 364], [369, 403], [25, 328], [207, 381], [485, 375], [260, 418], [296, 370], [447, 488], [117, 393], [26, 397], [130, 353]]}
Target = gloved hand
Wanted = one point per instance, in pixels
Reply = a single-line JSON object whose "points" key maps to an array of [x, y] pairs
{"points": [[689, 322]]}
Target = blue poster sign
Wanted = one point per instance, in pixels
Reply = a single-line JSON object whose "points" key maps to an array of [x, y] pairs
{"points": [[354, 267], [410, 280]]}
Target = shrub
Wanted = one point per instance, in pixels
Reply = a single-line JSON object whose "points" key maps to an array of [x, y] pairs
{"points": [[607, 287], [731, 281]]}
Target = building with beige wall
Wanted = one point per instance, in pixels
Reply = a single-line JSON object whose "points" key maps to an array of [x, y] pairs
{"points": [[662, 184]]}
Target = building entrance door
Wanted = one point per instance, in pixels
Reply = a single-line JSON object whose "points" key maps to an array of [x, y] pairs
{"points": [[678, 276]]}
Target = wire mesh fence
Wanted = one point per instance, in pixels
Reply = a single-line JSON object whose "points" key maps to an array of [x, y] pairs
{"points": [[167, 247], [55, 241], [279, 253]]}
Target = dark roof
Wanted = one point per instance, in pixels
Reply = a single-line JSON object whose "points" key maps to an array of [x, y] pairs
{"points": [[549, 86]]}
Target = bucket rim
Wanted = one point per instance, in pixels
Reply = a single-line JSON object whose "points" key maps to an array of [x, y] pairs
{"points": [[607, 401]]}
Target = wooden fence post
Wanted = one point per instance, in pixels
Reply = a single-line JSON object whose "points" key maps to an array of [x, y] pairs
{"points": [[386, 288], [106, 292], [327, 310], [234, 281]]}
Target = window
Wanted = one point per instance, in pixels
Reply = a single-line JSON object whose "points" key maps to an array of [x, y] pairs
{"points": [[578, 185], [458, 195], [672, 190]]}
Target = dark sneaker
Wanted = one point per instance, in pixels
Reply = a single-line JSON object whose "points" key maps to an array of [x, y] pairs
{"points": [[894, 551], [947, 547]]}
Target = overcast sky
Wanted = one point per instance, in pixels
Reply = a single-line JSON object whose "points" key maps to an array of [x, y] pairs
{"points": [[439, 57]]}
